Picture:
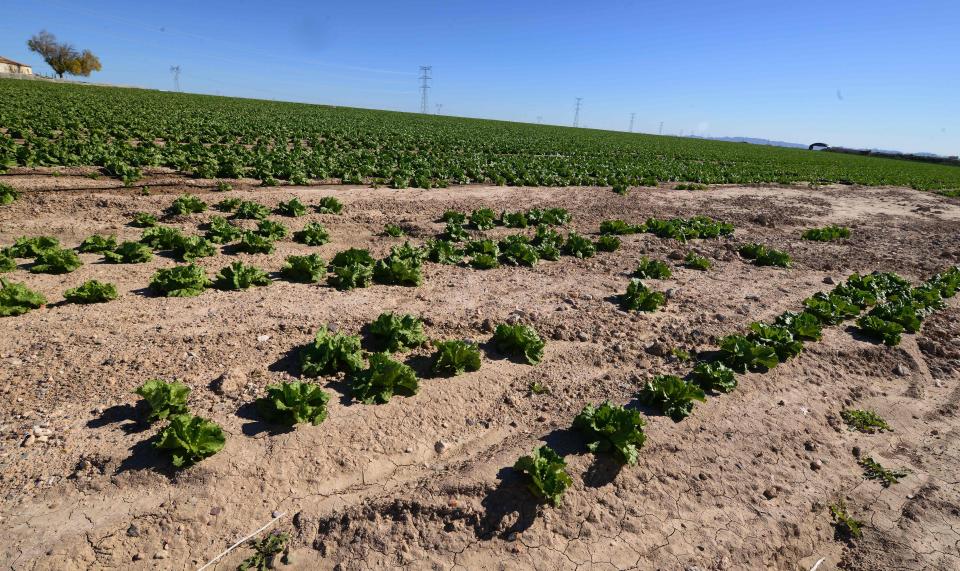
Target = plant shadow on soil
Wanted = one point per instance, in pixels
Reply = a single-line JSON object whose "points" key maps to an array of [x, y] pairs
{"points": [[604, 468], [257, 423], [143, 455], [511, 496], [121, 413]]}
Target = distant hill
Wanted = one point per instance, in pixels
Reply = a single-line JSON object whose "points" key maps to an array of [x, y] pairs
{"points": [[754, 141]]}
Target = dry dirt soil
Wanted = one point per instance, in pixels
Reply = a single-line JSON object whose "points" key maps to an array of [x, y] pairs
{"points": [[426, 482]]}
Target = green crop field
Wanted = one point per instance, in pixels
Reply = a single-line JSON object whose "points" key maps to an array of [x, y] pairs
{"points": [[124, 130]]}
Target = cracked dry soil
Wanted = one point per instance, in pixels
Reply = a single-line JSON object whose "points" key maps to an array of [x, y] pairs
{"points": [[743, 483]]}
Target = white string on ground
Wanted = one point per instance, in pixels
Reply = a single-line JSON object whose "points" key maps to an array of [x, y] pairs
{"points": [[817, 564], [239, 543]]}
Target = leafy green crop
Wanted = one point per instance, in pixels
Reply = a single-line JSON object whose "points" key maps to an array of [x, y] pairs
{"points": [[329, 205], [25, 247], [192, 247], [513, 219], [97, 244], [351, 269], [777, 338], [228, 204], [7, 193], [904, 312], [7, 262], [714, 377], [846, 525], [618, 227], [652, 269], [864, 421], [743, 354], [221, 231], [292, 207], [443, 252], [329, 353], [17, 299], [549, 216], [830, 309], [294, 402], [519, 341], [304, 269], [763, 256], [144, 220], [253, 243], [264, 551], [690, 186], [455, 357], [873, 470], [180, 281], [56, 261], [454, 217], [162, 237], [608, 243], [393, 230], [517, 251], [186, 204], [164, 399], [547, 473], [803, 325], [190, 439], [578, 246], [223, 186], [484, 262], [696, 262], [250, 210], [401, 267], [672, 395], [238, 276], [313, 234], [129, 253], [612, 428], [398, 332], [383, 379], [889, 332], [827, 233], [482, 219], [455, 233], [91, 291], [640, 298], [272, 230], [687, 229]]}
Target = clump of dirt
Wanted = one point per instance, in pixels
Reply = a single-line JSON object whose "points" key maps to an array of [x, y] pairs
{"points": [[427, 481]]}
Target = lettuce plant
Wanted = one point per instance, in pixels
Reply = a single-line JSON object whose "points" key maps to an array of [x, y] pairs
{"points": [[292, 207], [186, 204], [398, 332], [265, 550], [714, 377], [455, 233], [329, 205], [329, 353], [91, 291], [7, 262], [228, 204], [889, 332], [846, 525], [696, 262], [221, 231], [482, 219], [97, 244], [672, 395], [827, 233], [164, 399], [803, 325], [162, 237], [865, 421], [905, 312], [190, 439], [519, 341], [304, 269], [873, 470], [513, 219], [250, 210], [238, 276], [611, 428], [17, 299], [578, 246], [192, 247], [778, 338], [742, 354], [455, 357], [548, 243], [8, 194], [272, 230], [830, 309], [607, 243], [401, 267], [56, 261], [313, 234], [652, 269], [383, 379], [484, 262], [25, 247], [517, 251], [640, 298], [180, 281], [294, 402], [253, 243], [351, 268], [129, 253], [549, 216], [144, 220], [618, 227], [763, 256], [547, 474], [443, 252], [453, 216], [393, 230]]}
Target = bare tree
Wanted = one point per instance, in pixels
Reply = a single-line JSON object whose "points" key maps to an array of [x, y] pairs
{"points": [[63, 57]]}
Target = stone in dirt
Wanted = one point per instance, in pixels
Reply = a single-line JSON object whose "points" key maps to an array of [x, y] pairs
{"points": [[230, 383]]}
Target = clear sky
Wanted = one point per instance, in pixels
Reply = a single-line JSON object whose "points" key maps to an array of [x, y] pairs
{"points": [[878, 73]]}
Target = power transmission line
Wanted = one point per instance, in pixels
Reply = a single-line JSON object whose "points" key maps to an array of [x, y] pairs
{"points": [[632, 115], [576, 113], [439, 107], [661, 128], [175, 70], [539, 119], [425, 77]]}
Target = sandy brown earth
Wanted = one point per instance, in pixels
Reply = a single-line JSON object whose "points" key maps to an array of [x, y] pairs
{"points": [[426, 481]]}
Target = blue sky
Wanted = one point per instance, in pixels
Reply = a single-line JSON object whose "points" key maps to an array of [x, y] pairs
{"points": [[878, 74]]}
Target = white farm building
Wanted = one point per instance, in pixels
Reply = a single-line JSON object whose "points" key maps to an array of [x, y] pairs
{"points": [[10, 66]]}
